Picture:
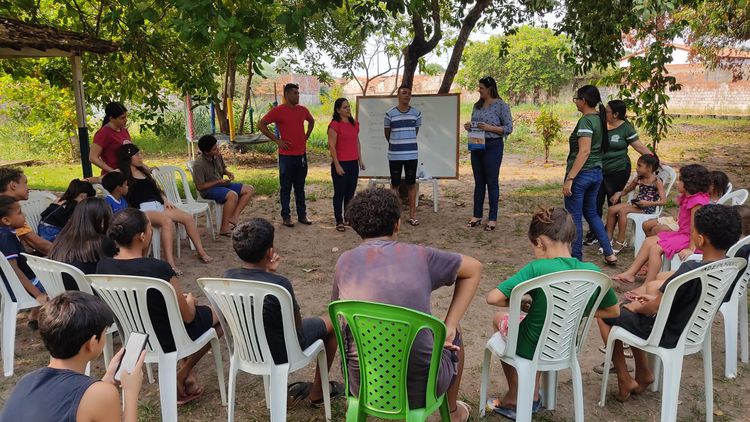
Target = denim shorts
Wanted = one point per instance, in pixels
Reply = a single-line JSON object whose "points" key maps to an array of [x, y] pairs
{"points": [[219, 193], [48, 231]]}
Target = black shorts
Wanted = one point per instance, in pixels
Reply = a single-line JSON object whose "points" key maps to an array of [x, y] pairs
{"points": [[312, 330], [638, 324], [409, 167], [202, 322]]}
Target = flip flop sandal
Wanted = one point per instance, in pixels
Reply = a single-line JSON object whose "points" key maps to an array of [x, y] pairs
{"points": [[505, 411], [340, 227], [466, 407], [489, 228], [188, 398], [336, 389], [474, 223], [413, 221], [297, 391], [227, 234]]}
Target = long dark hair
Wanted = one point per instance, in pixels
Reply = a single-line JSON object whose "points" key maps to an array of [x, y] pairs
{"points": [[619, 108], [337, 105], [126, 224], [75, 188], [81, 238], [125, 158], [113, 110], [593, 98], [490, 83]]}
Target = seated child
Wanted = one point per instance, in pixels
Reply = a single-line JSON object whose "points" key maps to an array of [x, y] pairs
{"points": [[383, 270], [743, 252], [693, 188], [719, 184], [131, 231], [72, 327], [14, 183], [551, 233], [83, 242], [717, 227], [11, 218], [650, 194], [253, 243], [117, 185], [54, 218]]}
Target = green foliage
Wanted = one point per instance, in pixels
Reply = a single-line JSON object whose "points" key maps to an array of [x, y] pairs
{"points": [[525, 64], [328, 98], [37, 118], [549, 127], [432, 69]]}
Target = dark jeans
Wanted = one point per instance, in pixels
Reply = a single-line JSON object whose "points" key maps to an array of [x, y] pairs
{"points": [[292, 173], [582, 204], [611, 184], [485, 164], [344, 187]]}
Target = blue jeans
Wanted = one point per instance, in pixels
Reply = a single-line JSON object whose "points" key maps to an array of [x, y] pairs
{"points": [[48, 231], [292, 173], [485, 164], [582, 203], [344, 187]]}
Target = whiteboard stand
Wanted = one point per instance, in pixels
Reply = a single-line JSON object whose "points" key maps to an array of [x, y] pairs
{"points": [[435, 191]]}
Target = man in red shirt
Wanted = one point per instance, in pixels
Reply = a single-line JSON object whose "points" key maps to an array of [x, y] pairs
{"points": [[290, 120]]}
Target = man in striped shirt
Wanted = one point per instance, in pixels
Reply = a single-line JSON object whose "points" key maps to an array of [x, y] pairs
{"points": [[401, 128]]}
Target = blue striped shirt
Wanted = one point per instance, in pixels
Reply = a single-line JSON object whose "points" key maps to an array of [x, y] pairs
{"points": [[403, 142]]}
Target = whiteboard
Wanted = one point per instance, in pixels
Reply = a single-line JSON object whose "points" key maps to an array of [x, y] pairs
{"points": [[437, 139]]}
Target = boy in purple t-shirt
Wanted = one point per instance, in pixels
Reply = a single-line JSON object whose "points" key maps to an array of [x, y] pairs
{"points": [[386, 271]]}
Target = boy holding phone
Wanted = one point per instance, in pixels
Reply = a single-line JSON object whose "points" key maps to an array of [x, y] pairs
{"points": [[72, 328]]}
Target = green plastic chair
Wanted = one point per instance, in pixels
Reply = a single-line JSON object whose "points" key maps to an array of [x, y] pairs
{"points": [[384, 335]]}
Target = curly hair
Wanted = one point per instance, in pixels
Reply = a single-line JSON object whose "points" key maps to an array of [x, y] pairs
{"points": [[721, 224], [695, 178], [252, 239], [555, 223], [7, 175], [374, 212]]}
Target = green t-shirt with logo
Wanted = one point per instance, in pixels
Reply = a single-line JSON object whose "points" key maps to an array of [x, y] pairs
{"points": [[588, 126], [531, 327], [616, 158]]}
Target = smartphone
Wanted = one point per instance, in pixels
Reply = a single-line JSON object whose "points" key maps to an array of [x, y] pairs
{"points": [[136, 344]]}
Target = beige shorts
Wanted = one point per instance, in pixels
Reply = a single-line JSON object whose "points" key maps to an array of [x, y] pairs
{"points": [[669, 222]]}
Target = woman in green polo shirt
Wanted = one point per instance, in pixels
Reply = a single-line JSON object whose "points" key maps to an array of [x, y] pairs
{"points": [[615, 162], [583, 174]]}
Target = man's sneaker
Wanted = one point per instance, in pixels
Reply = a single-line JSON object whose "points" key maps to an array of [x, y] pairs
{"points": [[590, 239]]}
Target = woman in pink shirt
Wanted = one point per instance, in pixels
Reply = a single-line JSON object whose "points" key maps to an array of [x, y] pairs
{"points": [[346, 156], [110, 137]]}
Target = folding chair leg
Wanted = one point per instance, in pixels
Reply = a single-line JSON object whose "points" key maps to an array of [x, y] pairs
{"points": [[10, 309], [233, 362], [278, 392], [730, 341], [323, 369], [525, 397], [577, 390], [216, 351], [671, 387], [485, 381], [549, 398], [168, 386], [708, 379]]}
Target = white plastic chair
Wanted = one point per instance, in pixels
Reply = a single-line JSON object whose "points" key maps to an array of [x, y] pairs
{"points": [[715, 280], [216, 208], [668, 176], [240, 303], [735, 197], [100, 191], [126, 296], [165, 177], [33, 207], [734, 313], [9, 310], [50, 273], [562, 337]]}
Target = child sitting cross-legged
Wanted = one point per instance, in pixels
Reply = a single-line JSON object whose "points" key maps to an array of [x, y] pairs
{"points": [[72, 327], [253, 243], [717, 227], [650, 194], [551, 233]]}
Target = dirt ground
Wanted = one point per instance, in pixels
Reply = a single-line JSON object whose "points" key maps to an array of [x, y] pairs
{"points": [[309, 254]]}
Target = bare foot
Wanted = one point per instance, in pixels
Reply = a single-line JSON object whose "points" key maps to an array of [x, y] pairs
{"points": [[624, 278], [643, 383], [625, 387], [205, 258]]}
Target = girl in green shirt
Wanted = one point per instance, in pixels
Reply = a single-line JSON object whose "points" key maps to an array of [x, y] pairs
{"points": [[551, 233]]}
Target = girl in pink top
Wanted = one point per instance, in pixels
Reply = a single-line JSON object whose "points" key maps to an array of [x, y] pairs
{"points": [[110, 137], [692, 185], [346, 158]]}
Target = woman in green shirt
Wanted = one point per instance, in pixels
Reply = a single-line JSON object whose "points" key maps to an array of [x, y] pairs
{"points": [[615, 162], [583, 174]]}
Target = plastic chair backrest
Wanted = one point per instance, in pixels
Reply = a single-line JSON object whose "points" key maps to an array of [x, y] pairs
{"points": [[565, 324], [715, 279], [384, 336], [50, 273], [741, 286], [735, 197], [165, 177], [126, 295], [9, 275], [33, 207], [240, 303]]}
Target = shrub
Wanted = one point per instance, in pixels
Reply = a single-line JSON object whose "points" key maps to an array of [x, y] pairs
{"points": [[548, 125]]}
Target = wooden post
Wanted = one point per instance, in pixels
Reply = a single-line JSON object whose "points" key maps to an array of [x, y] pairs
{"points": [[83, 131]]}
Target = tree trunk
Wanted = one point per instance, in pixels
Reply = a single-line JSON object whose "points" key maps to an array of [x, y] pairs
{"points": [[411, 60], [222, 111], [458, 49], [247, 95], [420, 46]]}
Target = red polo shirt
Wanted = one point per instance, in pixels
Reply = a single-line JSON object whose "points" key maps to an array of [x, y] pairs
{"points": [[290, 120], [111, 140]]}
